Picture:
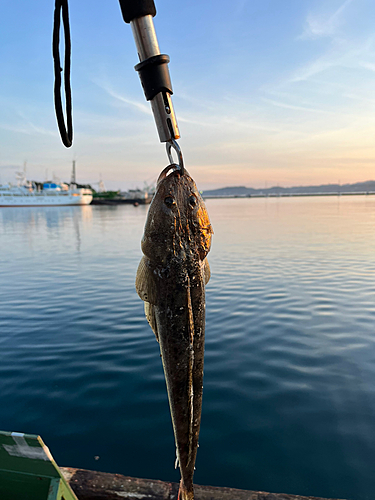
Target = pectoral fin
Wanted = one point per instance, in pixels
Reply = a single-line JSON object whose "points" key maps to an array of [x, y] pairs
{"points": [[145, 283], [150, 315], [207, 271], [146, 289]]}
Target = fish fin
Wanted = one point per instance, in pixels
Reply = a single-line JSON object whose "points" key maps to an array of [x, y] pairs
{"points": [[145, 283], [185, 493], [150, 315], [207, 271]]}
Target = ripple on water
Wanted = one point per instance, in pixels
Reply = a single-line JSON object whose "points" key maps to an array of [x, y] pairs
{"points": [[289, 398]]}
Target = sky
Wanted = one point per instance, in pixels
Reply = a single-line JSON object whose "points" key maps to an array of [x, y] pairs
{"points": [[266, 92]]}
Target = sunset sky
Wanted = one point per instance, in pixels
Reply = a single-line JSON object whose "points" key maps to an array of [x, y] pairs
{"points": [[266, 92]]}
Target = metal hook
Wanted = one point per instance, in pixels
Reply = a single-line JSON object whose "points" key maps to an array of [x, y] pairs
{"points": [[172, 143]]}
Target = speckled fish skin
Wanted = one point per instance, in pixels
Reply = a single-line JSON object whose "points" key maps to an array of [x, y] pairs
{"points": [[171, 280]]}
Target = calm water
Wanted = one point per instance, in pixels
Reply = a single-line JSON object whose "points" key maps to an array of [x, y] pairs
{"points": [[289, 395]]}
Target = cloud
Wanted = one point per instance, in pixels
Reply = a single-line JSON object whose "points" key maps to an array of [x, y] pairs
{"points": [[342, 53], [140, 106], [144, 108], [10, 167], [318, 26], [293, 107], [367, 65], [28, 119], [345, 49], [28, 128], [315, 67]]}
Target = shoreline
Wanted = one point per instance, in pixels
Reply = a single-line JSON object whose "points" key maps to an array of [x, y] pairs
{"points": [[286, 195]]}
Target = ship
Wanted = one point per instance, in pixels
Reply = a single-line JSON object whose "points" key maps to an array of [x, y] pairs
{"points": [[132, 196], [29, 193]]}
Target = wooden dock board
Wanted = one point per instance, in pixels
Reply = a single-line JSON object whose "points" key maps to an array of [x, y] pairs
{"points": [[92, 485]]}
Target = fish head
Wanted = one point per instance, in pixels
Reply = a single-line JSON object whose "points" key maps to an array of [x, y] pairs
{"points": [[177, 222]]}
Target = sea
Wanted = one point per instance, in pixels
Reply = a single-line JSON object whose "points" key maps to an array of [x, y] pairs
{"points": [[289, 387]]}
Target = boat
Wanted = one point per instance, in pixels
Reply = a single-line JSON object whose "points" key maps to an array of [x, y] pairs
{"points": [[132, 196], [29, 193], [140, 196]]}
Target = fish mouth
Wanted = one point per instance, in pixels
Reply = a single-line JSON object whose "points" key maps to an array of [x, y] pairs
{"points": [[173, 167]]}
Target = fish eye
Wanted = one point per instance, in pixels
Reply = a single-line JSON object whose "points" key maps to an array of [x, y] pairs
{"points": [[169, 201], [192, 201]]}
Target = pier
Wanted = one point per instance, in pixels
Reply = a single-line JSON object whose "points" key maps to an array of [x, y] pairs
{"points": [[92, 485]]}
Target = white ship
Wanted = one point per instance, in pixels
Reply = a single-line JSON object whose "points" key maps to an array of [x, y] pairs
{"points": [[26, 194]]}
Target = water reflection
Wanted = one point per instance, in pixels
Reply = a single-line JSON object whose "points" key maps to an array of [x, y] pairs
{"points": [[50, 217], [289, 400], [293, 227], [45, 222]]}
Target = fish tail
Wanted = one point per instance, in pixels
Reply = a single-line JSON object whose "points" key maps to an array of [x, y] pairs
{"points": [[185, 493]]}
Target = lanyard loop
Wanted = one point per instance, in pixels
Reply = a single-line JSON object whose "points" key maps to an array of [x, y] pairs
{"points": [[66, 132], [157, 86]]}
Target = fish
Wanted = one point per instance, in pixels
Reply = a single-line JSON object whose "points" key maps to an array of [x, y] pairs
{"points": [[171, 279]]}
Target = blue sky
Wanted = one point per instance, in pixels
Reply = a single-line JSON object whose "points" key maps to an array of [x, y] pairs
{"points": [[265, 92]]}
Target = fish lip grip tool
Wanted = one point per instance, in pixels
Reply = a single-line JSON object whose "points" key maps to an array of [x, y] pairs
{"points": [[153, 71]]}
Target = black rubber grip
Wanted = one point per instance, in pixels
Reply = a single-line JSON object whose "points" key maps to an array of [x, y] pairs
{"points": [[154, 75], [131, 9]]}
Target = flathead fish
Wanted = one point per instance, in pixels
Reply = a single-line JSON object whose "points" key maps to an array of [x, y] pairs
{"points": [[171, 280]]}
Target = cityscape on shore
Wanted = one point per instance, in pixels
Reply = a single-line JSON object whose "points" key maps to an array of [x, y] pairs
{"points": [[367, 187]]}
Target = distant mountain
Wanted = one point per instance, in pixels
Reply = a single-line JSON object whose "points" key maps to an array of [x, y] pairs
{"points": [[359, 187]]}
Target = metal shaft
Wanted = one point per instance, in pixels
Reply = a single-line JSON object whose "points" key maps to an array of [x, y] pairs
{"points": [[162, 107]]}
